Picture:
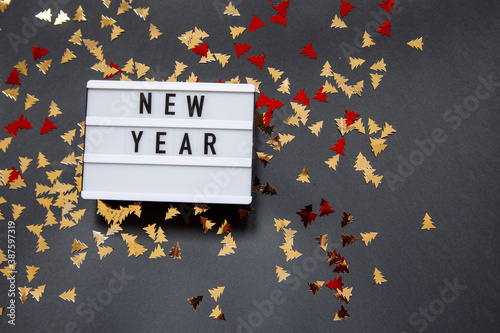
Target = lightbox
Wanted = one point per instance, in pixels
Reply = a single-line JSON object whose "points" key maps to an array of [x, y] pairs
{"points": [[168, 141]]}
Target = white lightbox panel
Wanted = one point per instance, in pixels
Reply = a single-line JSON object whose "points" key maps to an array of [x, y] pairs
{"points": [[175, 160]]}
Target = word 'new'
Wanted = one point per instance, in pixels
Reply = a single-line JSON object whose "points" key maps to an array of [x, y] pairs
{"points": [[191, 104]]}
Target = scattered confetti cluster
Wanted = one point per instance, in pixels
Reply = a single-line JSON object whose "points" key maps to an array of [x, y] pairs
{"points": [[60, 199]]}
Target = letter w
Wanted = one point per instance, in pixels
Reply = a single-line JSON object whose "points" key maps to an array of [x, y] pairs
{"points": [[195, 104]]}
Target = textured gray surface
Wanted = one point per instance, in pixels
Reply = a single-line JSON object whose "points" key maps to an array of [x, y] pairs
{"points": [[457, 184]]}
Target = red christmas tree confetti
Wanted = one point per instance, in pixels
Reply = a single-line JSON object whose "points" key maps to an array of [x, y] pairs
{"points": [[301, 97], [281, 10], [308, 51], [320, 95], [325, 208], [339, 147], [241, 49], [279, 19], [47, 126], [257, 60], [350, 117], [345, 8], [16, 125], [38, 52], [13, 78], [306, 215], [201, 50], [335, 284], [387, 5], [385, 28], [14, 174], [255, 24]]}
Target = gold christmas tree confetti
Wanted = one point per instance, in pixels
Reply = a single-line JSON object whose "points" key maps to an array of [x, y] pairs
{"points": [[367, 40], [229, 245], [78, 246], [68, 56], [35, 229], [338, 23], [355, 62], [97, 52], [46, 15], [378, 278], [104, 251], [304, 176], [236, 31], [31, 272], [285, 138], [217, 314], [142, 69], [224, 58], [151, 230], [316, 128], [216, 292], [329, 88], [378, 145], [264, 158], [37, 292], [11, 93], [17, 210], [42, 161], [379, 66], [327, 70], [275, 73], [24, 163], [157, 253], [124, 6], [224, 228], [284, 87], [44, 66], [79, 258], [428, 223], [200, 209], [281, 273], [98, 237], [115, 32], [375, 79], [280, 224], [315, 286], [387, 130], [107, 3], [322, 241], [333, 161], [69, 136], [79, 15], [41, 245], [23, 293], [416, 43], [30, 101], [142, 12], [22, 67], [160, 236], [206, 223], [69, 295], [4, 143], [175, 252], [231, 10], [154, 32], [76, 38], [106, 21], [368, 237], [61, 18], [372, 127]]}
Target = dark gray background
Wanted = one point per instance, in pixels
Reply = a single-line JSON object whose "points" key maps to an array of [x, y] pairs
{"points": [[457, 184]]}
